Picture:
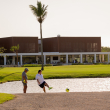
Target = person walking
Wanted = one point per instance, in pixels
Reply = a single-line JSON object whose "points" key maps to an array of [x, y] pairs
{"points": [[41, 82], [24, 79]]}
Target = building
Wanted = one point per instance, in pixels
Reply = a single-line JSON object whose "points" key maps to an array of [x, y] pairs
{"points": [[56, 50]]}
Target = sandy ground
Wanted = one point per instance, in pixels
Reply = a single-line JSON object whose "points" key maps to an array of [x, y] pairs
{"points": [[59, 101], [59, 85]]}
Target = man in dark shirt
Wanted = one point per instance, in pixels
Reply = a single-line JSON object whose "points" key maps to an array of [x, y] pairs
{"points": [[24, 79]]}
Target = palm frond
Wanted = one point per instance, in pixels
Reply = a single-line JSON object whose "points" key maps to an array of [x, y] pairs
{"points": [[39, 11], [34, 10], [44, 16], [39, 7], [45, 8]]}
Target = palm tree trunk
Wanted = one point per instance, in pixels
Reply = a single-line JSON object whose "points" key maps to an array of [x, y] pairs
{"points": [[41, 46]]}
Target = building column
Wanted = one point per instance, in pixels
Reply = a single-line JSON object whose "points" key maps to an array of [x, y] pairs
{"points": [[37, 59], [13, 60], [100, 58], [51, 59], [80, 58], [44, 59], [66, 58], [4, 60], [87, 58], [103, 58], [94, 58], [73, 58], [21, 59], [108, 58]]}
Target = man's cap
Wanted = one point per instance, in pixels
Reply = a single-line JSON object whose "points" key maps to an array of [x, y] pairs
{"points": [[26, 69]]}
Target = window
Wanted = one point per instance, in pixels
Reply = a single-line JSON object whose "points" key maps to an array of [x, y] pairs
{"points": [[94, 45], [89, 47], [95, 50], [55, 58]]}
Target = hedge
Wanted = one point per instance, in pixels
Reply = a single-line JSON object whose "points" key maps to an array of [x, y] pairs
{"points": [[35, 65]]}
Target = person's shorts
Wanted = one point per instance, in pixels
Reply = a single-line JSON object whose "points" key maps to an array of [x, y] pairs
{"points": [[42, 85], [24, 84]]}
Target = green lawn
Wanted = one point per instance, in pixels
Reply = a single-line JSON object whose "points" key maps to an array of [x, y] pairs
{"points": [[70, 71], [5, 97]]}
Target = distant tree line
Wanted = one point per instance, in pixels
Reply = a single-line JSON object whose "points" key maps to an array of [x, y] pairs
{"points": [[105, 49]]}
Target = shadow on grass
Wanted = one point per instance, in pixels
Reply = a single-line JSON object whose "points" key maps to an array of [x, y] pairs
{"points": [[1, 68], [2, 77]]}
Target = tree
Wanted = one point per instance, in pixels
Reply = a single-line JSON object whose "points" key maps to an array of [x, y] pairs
{"points": [[105, 49], [40, 12], [15, 50], [2, 49]]}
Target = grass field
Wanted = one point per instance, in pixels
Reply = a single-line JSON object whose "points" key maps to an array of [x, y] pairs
{"points": [[70, 71], [5, 97]]}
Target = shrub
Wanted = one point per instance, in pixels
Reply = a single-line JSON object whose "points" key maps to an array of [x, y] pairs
{"points": [[32, 65], [35, 65], [77, 64], [48, 65], [57, 64], [100, 63]]}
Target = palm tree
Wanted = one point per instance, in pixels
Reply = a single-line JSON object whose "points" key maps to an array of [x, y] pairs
{"points": [[15, 50], [40, 12]]}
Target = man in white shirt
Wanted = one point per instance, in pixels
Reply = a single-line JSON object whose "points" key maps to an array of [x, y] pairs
{"points": [[41, 82]]}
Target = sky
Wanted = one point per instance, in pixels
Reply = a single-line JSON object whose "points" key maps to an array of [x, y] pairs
{"points": [[67, 18]]}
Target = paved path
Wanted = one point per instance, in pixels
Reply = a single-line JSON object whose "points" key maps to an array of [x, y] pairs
{"points": [[59, 85], [59, 101]]}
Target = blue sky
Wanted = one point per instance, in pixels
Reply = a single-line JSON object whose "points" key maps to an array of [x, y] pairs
{"points": [[65, 17]]}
